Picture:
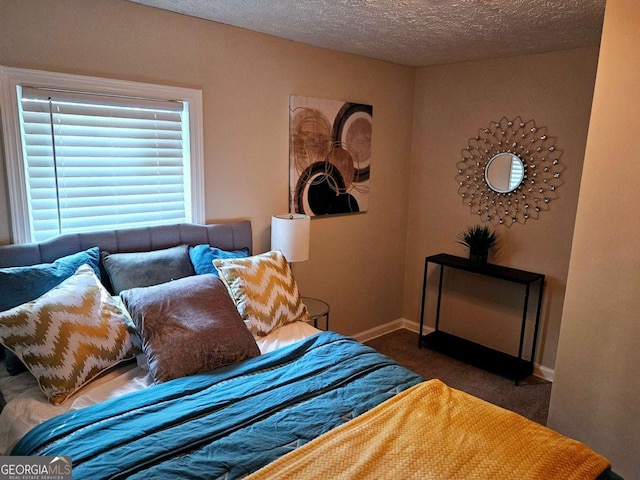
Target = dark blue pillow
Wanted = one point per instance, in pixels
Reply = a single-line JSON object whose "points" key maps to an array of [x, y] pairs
{"points": [[13, 364], [20, 285], [202, 257]]}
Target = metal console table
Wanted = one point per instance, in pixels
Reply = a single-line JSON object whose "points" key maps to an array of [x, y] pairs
{"points": [[466, 350]]}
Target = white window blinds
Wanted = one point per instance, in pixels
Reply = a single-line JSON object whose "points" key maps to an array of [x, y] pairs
{"points": [[97, 162]]}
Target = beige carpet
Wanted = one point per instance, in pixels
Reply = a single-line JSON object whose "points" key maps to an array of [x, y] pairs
{"points": [[530, 399]]}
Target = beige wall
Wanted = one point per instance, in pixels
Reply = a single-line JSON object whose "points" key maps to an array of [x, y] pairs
{"points": [[596, 395], [246, 79], [452, 103], [357, 261]]}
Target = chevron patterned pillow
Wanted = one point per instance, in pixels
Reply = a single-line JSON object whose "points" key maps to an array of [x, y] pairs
{"points": [[264, 291], [69, 335]]}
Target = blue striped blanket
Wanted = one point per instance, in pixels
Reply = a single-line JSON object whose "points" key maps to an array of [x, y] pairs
{"points": [[228, 422]]}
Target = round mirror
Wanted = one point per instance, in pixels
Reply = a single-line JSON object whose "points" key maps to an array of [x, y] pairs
{"points": [[504, 172], [491, 180]]}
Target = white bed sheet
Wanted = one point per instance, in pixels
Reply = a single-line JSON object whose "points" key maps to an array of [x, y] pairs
{"points": [[27, 406]]}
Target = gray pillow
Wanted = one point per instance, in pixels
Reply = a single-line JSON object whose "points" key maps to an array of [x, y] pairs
{"points": [[143, 269], [188, 326]]}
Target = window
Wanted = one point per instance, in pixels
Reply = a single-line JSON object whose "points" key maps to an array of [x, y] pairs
{"points": [[85, 153]]}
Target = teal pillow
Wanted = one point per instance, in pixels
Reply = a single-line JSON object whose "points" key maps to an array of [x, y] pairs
{"points": [[20, 285], [202, 257]]}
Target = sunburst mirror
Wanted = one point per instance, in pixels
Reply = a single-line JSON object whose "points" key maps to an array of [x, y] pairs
{"points": [[509, 172]]}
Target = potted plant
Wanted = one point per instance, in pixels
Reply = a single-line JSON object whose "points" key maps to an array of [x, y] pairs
{"points": [[479, 239]]}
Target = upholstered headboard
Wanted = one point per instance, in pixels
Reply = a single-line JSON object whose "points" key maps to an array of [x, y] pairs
{"points": [[227, 236]]}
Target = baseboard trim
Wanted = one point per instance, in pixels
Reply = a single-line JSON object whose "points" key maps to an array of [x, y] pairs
{"points": [[538, 370], [388, 327], [543, 372]]}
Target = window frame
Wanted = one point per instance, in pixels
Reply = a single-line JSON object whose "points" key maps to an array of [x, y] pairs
{"points": [[11, 78]]}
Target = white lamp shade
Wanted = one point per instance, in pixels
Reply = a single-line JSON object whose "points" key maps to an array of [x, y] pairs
{"points": [[290, 235]]}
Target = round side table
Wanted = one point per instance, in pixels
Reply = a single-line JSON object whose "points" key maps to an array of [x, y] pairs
{"points": [[317, 309]]}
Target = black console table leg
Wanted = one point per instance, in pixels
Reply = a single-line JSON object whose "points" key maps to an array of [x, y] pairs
{"points": [[424, 295], [537, 325], [523, 328], [439, 297]]}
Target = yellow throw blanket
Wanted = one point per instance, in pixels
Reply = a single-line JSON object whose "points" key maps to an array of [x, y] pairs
{"points": [[431, 431]]}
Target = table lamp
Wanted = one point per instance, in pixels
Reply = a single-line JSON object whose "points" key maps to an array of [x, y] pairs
{"points": [[290, 235]]}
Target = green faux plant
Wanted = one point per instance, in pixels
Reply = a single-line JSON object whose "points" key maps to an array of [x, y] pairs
{"points": [[479, 239]]}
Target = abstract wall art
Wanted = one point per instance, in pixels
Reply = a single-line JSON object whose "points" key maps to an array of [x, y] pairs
{"points": [[329, 156]]}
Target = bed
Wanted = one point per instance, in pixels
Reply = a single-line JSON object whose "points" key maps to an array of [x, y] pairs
{"points": [[201, 380]]}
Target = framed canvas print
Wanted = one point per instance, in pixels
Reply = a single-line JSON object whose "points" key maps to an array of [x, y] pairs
{"points": [[329, 156]]}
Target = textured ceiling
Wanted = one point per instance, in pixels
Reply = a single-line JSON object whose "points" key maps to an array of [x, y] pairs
{"points": [[412, 32]]}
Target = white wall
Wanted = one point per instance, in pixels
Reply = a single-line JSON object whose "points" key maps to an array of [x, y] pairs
{"points": [[596, 394]]}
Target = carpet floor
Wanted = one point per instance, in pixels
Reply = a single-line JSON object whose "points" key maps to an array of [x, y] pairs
{"points": [[529, 399]]}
